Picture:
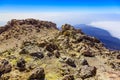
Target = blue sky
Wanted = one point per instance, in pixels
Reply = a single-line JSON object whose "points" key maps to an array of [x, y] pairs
{"points": [[61, 2], [58, 5]]}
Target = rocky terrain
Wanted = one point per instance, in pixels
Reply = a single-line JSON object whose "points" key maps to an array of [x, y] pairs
{"points": [[36, 50]]}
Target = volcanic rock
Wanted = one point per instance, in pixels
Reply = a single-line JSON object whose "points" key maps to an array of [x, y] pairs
{"points": [[5, 67], [21, 64], [68, 77], [39, 55], [37, 74], [87, 71]]}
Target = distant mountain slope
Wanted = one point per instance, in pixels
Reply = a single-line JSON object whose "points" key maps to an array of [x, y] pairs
{"points": [[103, 35]]}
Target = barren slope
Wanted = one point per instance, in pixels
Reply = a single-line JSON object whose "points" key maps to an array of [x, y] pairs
{"points": [[36, 50]]}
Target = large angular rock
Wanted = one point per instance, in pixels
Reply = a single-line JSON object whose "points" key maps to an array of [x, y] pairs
{"points": [[5, 67], [37, 74], [118, 56], [87, 71], [21, 64], [24, 51], [56, 53], [115, 65], [51, 47], [39, 55], [68, 77], [68, 61], [83, 62], [88, 54]]}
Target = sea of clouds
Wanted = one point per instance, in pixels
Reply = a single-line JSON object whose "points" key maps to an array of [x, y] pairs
{"points": [[111, 26]]}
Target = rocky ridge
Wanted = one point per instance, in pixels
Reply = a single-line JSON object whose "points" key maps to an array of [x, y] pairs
{"points": [[36, 50]]}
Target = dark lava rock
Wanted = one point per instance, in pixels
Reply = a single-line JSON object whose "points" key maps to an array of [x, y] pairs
{"points": [[64, 70], [21, 64], [51, 47], [118, 56], [5, 67], [42, 44], [87, 71], [68, 77], [115, 65], [37, 74], [88, 54], [79, 39], [57, 54], [23, 51], [39, 55], [83, 62], [70, 62], [49, 54]]}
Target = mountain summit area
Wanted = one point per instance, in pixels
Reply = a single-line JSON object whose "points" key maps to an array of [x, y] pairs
{"points": [[31, 49]]}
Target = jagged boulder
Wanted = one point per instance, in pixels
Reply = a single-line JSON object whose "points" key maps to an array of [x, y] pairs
{"points": [[39, 55], [83, 62], [64, 70], [88, 54], [87, 71], [51, 47], [37, 74], [115, 65], [29, 47], [5, 67], [68, 61], [24, 51], [118, 56], [21, 64], [42, 44], [56, 53], [68, 77]]}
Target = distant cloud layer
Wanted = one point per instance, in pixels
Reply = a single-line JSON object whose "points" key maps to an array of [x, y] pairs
{"points": [[61, 17], [107, 21], [112, 26]]}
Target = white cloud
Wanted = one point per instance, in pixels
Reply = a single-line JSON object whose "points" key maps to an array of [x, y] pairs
{"points": [[57, 17], [112, 26]]}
